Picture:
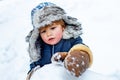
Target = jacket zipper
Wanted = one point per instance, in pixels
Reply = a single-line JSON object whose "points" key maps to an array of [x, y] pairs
{"points": [[52, 49]]}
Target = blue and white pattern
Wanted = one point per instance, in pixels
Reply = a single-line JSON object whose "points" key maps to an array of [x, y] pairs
{"points": [[40, 6]]}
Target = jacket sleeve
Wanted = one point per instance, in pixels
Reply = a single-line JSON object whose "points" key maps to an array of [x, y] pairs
{"points": [[40, 63], [77, 40]]}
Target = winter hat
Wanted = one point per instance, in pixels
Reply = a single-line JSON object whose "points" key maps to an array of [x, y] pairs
{"points": [[43, 14]]}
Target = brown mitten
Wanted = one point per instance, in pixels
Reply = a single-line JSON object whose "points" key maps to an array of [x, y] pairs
{"points": [[78, 60], [58, 57]]}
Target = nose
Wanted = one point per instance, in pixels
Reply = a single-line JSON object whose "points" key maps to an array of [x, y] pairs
{"points": [[49, 33]]}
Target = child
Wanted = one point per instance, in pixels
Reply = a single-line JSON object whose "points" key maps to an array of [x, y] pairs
{"points": [[56, 35]]}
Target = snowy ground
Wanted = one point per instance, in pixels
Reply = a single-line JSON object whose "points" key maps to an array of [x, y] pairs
{"points": [[100, 20]]}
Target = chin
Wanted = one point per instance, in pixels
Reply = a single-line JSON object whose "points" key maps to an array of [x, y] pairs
{"points": [[52, 43]]}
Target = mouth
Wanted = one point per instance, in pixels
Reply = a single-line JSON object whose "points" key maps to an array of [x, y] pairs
{"points": [[50, 39]]}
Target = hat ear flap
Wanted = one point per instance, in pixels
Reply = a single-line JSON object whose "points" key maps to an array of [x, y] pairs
{"points": [[32, 49], [73, 27], [27, 38]]}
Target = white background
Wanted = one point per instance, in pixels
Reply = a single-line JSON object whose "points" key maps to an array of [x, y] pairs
{"points": [[100, 21]]}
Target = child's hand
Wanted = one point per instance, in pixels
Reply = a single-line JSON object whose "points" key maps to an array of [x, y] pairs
{"points": [[58, 57], [76, 62]]}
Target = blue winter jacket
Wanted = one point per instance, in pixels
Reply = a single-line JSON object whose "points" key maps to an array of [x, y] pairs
{"points": [[48, 50]]}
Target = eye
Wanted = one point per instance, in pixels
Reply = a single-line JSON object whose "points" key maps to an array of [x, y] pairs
{"points": [[53, 28], [42, 31]]}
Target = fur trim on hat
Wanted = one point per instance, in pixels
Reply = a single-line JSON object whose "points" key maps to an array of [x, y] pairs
{"points": [[73, 28], [44, 14]]}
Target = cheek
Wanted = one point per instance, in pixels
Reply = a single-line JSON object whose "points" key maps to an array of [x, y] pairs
{"points": [[59, 34], [43, 37]]}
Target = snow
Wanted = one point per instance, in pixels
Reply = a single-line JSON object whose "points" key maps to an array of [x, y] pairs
{"points": [[100, 21], [60, 73]]}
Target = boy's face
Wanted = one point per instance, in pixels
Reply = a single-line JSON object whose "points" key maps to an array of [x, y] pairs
{"points": [[52, 34]]}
